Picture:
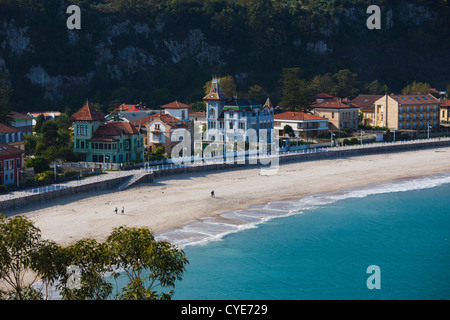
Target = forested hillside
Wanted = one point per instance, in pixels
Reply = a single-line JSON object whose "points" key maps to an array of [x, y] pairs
{"points": [[154, 52]]}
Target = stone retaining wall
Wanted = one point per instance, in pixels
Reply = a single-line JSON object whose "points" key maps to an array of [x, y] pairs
{"points": [[108, 184], [15, 203]]}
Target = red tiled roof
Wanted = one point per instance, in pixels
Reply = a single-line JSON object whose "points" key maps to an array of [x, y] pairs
{"points": [[366, 101], [103, 139], [4, 128], [334, 103], [163, 117], [197, 114], [414, 98], [45, 113], [6, 150], [20, 116], [176, 105], [129, 107], [446, 103], [87, 113], [107, 131], [301, 116], [323, 96]]}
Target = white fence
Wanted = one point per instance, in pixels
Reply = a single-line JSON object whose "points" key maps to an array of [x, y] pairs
{"points": [[233, 157]]}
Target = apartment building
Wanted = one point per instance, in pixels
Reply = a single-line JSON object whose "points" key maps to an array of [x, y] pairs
{"points": [[407, 111]]}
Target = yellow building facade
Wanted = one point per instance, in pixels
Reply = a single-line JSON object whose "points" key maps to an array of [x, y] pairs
{"points": [[407, 112]]}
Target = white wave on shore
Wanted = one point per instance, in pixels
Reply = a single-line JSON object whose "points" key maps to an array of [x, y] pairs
{"points": [[216, 228]]}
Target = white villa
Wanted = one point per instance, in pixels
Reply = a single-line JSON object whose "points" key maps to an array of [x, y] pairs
{"points": [[236, 119]]}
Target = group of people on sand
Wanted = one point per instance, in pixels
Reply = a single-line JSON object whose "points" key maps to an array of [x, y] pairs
{"points": [[123, 210]]}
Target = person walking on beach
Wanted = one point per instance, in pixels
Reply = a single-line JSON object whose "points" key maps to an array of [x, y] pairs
{"points": [[212, 194], [116, 210], [123, 210]]}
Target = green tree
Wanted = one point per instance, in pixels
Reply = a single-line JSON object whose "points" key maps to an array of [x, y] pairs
{"points": [[5, 94], [376, 87], [40, 120], [39, 164], [416, 88], [322, 84], [63, 121], [289, 131], [227, 83], [148, 264], [93, 260], [347, 84], [257, 93], [19, 242], [49, 263], [296, 95]]}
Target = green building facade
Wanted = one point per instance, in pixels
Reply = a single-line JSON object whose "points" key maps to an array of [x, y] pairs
{"points": [[112, 142]]}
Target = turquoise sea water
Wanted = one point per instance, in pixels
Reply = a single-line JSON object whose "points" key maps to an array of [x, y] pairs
{"points": [[320, 247]]}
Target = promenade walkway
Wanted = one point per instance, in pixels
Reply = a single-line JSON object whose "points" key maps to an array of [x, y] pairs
{"points": [[140, 173]]}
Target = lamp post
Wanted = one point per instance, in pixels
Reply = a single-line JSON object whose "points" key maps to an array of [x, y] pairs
{"points": [[362, 132], [429, 127], [331, 141], [394, 134]]}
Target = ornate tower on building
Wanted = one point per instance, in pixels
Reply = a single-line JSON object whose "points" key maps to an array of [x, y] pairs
{"points": [[215, 101]]}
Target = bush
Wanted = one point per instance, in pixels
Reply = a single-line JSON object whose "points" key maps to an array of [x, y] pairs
{"points": [[39, 164], [352, 141], [70, 173], [3, 188], [45, 176]]}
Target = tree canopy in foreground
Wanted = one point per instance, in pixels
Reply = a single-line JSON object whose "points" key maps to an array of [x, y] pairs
{"points": [[79, 271]]}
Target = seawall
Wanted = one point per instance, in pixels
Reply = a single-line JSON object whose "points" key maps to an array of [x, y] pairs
{"points": [[14, 203], [115, 183]]}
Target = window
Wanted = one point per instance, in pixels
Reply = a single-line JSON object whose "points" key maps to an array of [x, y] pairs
{"points": [[82, 130], [82, 144], [211, 112], [332, 115], [231, 124], [17, 163], [1, 166]]}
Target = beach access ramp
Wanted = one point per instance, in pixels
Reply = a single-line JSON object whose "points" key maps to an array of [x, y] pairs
{"points": [[135, 179]]}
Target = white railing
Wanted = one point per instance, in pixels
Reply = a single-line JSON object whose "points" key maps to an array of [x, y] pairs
{"points": [[195, 161]]}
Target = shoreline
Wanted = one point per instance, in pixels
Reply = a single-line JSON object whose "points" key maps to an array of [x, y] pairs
{"points": [[172, 202]]}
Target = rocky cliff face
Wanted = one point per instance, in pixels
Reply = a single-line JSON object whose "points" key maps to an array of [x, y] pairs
{"points": [[112, 53]]}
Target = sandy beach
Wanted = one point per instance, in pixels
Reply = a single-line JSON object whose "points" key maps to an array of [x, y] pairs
{"points": [[173, 201]]}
